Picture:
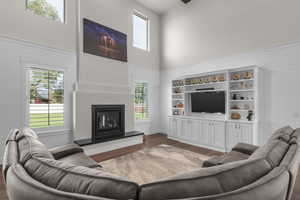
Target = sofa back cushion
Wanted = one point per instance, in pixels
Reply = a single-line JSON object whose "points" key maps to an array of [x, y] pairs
{"points": [[284, 134], [81, 180], [29, 146], [273, 152], [208, 181], [11, 155]]}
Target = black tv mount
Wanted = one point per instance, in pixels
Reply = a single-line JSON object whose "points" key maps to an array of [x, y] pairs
{"points": [[186, 1]]}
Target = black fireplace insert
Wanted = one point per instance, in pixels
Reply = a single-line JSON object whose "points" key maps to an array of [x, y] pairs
{"points": [[108, 122]]}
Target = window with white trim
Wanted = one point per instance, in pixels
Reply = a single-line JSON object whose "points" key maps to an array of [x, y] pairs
{"points": [[51, 9], [141, 26], [141, 105], [46, 98]]}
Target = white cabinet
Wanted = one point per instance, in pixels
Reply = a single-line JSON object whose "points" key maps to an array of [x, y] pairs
{"points": [[196, 127], [213, 134], [206, 133], [238, 132], [185, 132], [174, 127], [218, 135]]}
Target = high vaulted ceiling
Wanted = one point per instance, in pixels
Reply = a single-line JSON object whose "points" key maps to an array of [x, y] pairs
{"points": [[159, 6]]}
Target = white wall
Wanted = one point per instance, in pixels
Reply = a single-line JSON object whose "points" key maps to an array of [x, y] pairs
{"points": [[99, 75], [208, 29], [17, 22], [211, 35], [15, 55]]}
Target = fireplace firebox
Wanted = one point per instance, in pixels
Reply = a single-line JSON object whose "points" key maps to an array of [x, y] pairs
{"points": [[108, 122]]}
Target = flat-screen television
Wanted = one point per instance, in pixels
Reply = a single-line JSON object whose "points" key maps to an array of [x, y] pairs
{"points": [[208, 102]]}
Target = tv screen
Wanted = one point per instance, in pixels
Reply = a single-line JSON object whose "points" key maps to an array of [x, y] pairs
{"points": [[208, 102]]}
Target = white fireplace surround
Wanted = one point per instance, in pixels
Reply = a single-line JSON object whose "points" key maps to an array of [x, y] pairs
{"points": [[88, 94]]}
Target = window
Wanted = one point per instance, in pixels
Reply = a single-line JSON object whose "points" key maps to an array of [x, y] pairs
{"points": [[51, 9], [46, 101], [140, 31], [141, 101]]}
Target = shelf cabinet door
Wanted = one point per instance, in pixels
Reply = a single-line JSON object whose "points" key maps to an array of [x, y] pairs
{"points": [[246, 133], [170, 127], [185, 129], [218, 135], [238, 132], [206, 132], [233, 135], [195, 131], [173, 127]]}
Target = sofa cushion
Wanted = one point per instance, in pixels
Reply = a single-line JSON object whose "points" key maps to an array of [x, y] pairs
{"points": [[234, 156], [296, 133], [273, 152], [213, 161], [30, 147], [11, 155], [82, 180], [26, 132], [66, 150], [227, 158], [208, 181], [282, 133], [80, 159], [245, 148]]}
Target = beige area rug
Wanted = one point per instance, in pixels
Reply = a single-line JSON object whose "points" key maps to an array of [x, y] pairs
{"points": [[153, 164]]}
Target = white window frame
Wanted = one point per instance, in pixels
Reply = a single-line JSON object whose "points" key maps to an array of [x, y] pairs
{"points": [[148, 101], [64, 15], [26, 98], [144, 17]]}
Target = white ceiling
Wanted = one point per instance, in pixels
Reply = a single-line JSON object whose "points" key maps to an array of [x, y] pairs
{"points": [[159, 6]]}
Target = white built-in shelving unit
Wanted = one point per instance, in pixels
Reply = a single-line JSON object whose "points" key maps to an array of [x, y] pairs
{"points": [[217, 131]]}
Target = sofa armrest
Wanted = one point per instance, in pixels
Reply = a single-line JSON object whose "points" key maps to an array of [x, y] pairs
{"points": [[63, 151], [245, 148]]}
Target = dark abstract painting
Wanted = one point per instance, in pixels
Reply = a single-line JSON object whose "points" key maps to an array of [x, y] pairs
{"points": [[100, 40]]}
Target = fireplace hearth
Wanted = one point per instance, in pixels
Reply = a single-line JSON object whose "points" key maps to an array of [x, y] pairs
{"points": [[108, 122]]}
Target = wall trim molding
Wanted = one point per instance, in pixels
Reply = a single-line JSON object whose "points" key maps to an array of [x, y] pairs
{"points": [[54, 132], [103, 92], [37, 45], [86, 83], [90, 87]]}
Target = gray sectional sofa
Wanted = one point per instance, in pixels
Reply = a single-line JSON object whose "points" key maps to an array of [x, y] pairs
{"points": [[32, 172]]}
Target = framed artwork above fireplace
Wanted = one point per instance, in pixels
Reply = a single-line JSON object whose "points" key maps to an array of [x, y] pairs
{"points": [[103, 41]]}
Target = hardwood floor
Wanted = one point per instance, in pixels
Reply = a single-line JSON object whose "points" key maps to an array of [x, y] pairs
{"points": [[150, 141]]}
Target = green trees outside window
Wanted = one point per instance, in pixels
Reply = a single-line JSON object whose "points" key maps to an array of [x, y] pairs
{"points": [[51, 9], [141, 101], [46, 102]]}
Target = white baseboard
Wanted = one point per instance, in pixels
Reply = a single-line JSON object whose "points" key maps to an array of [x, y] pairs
{"points": [[112, 145]]}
